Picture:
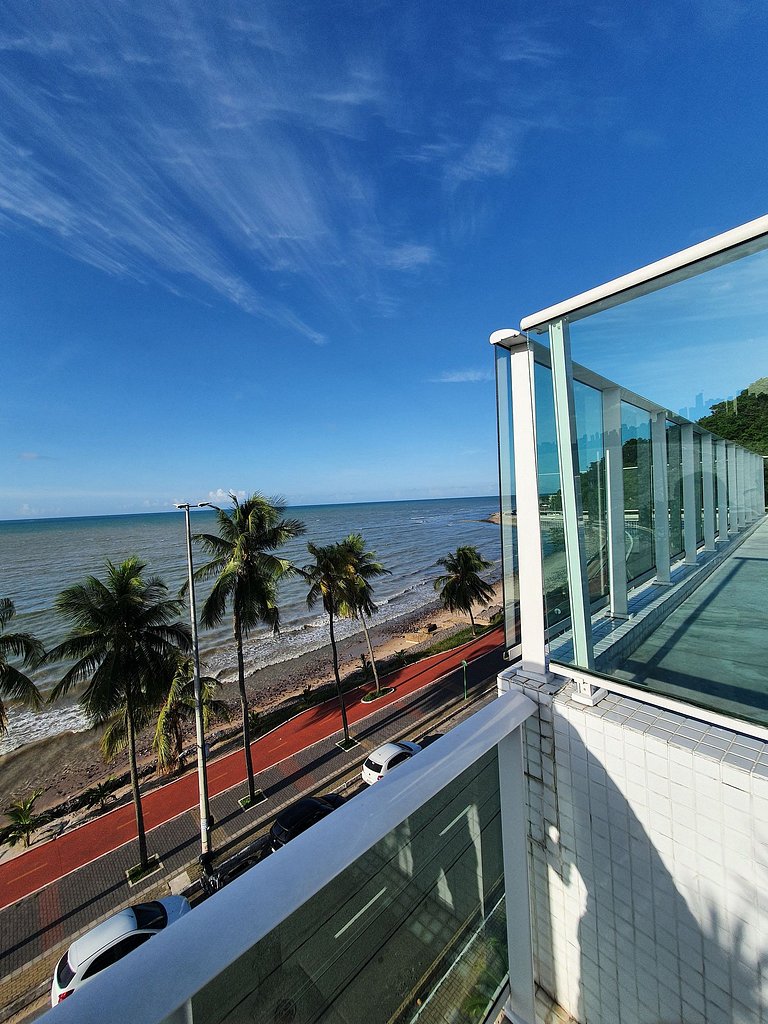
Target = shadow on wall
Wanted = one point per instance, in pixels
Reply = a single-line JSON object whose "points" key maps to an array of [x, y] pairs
{"points": [[617, 937]]}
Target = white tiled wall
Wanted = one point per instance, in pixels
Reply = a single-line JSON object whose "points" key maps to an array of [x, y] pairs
{"points": [[649, 840]]}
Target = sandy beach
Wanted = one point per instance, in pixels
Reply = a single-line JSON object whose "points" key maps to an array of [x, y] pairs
{"points": [[69, 763]]}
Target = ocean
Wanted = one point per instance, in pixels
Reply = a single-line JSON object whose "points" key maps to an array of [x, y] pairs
{"points": [[39, 558]]}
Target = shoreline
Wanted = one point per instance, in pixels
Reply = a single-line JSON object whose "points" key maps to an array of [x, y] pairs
{"points": [[70, 762]]}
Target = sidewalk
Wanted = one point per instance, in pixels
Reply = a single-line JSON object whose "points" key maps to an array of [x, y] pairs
{"points": [[61, 887]]}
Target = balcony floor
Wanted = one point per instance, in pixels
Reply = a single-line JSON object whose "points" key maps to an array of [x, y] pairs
{"points": [[713, 649]]}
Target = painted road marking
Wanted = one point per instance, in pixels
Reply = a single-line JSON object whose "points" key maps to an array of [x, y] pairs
{"points": [[360, 913]]}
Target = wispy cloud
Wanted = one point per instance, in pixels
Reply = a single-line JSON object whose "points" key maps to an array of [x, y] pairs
{"points": [[34, 457], [463, 377], [238, 150]]}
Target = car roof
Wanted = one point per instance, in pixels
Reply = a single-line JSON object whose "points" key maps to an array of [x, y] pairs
{"points": [[388, 750], [104, 934], [298, 811]]}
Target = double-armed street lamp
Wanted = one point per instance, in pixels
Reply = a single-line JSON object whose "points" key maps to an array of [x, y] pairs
{"points": [[202, 777]]}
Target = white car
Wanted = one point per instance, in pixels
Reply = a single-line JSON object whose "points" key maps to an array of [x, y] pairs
{"points": [[111, 940], [387, 757]]}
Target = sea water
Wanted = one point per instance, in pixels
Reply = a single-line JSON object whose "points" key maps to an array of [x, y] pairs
{"points": [[40, 558]]}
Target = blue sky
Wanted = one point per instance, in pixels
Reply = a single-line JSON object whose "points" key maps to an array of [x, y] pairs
{"points": [[262, 245]]}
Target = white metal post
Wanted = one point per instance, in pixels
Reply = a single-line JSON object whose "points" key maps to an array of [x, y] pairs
{"points": [[689, 494], [570, 484], [660, 496], [708, 491], [614, 480]]}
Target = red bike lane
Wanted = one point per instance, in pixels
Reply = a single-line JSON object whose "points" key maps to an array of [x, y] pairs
{"points": [[40, 865]]}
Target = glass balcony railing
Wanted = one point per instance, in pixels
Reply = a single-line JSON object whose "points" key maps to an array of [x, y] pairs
{"points": [[392, 909]]}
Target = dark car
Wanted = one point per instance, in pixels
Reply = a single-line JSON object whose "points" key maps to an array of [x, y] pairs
{"points": [[300, 816]]}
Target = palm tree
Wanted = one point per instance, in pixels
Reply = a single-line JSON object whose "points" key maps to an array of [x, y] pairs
{"points": [[247, 576], [122, 640], [330, 579], [24, 821], [172, 705], [358, 596], [14, 685], [461, 587]]}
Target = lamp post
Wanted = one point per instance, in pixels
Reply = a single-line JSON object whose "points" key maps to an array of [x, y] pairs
{"points": [[464, 666], [202, 777]]}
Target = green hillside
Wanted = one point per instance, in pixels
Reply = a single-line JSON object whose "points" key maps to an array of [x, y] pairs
{"points": [[743, 419]]}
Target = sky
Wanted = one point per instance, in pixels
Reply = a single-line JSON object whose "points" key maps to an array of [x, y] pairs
{"points": [[261, 246]]}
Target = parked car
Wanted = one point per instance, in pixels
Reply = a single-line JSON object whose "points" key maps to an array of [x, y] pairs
{"points": [[387, 757], [300, 816], [111, 940]]}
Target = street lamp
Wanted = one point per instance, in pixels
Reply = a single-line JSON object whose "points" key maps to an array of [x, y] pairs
{"points": [[464, 666], [202, 778]]}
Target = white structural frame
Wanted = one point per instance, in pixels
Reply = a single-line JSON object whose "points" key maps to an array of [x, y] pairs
{"points": [[734, 470]]}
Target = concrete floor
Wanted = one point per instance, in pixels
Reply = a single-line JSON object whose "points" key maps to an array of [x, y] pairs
{"points": [[713, 649]]}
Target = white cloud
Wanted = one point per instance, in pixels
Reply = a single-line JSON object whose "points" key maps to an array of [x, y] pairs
{"points": [[463, 377], [225, 495]]}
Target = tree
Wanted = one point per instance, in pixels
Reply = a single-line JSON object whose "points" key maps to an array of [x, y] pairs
{"points": [[179, 708], [122, 641], [14, 684], [357, 600], [461, 587], [172, 706], [247, 576], [24, 821], [330, 579]]}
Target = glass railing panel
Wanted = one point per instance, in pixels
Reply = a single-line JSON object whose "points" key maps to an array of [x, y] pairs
{"points": [[698, 488], [508, 499], [638, 490], [556, 602], [414, 925], [675, 488], [588, 402]]}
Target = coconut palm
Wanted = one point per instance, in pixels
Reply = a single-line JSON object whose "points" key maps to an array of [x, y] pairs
{"points": [[358, 595], [121, 641], [23, 820], [171, 706], [247, 576], [461, 587], [330, 579], [14, 684]]}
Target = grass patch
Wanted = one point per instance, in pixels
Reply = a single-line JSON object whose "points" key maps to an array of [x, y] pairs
{"points": [[246, 802], [370, 697], [138, 873]]}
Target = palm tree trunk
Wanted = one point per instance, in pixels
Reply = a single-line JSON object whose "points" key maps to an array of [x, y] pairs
{"points": [[472, 620], [244, 708], [143, 858], [338, 680], [370, 653]]}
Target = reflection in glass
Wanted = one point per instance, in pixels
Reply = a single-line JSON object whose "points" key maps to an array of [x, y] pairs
{"points": [[638, 490], [508, 504], [413, 930], [698, 488], [557, 605], [675, 485], [589, 428]]}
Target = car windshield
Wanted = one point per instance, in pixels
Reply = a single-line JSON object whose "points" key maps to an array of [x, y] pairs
{"points": [[150, 915], [64, 973], [374, 766]]}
